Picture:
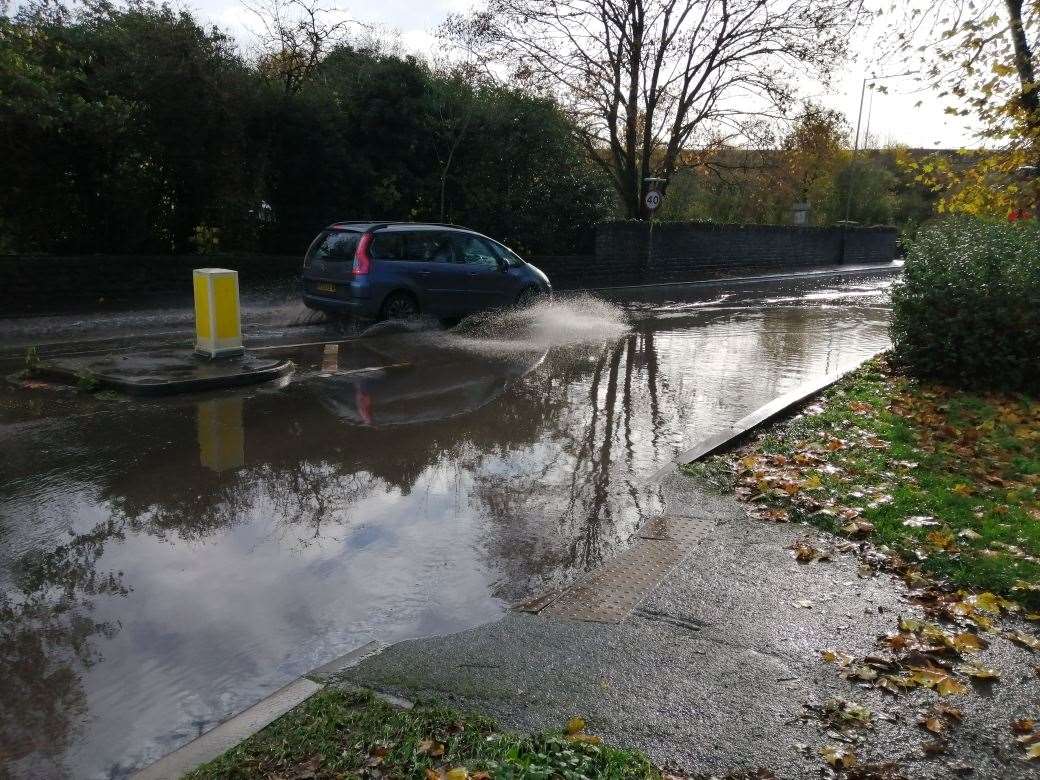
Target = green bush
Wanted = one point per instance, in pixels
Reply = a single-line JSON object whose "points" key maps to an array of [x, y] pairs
{"points": [[967, 310]]}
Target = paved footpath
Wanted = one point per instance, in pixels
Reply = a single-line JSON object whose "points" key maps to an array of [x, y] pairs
{"points": [[712, 672]]}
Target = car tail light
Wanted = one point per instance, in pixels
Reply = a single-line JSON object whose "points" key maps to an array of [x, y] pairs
{"points": [[362, 261]]}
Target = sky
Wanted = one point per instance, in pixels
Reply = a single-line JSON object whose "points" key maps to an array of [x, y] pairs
{"points": [[893, 117]]}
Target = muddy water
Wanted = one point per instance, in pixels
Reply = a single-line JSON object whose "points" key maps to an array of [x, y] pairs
{"points": [[165, 564]]}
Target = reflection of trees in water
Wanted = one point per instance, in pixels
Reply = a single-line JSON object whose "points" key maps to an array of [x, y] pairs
{"points": [[45, 633], [609, 415], [311, 494], [569, 435]]}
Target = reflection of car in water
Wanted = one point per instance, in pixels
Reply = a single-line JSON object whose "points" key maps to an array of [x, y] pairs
{"points": [[425, 385]]}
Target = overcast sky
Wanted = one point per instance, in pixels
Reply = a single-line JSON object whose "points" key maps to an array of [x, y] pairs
{"points": [[893, 117]]}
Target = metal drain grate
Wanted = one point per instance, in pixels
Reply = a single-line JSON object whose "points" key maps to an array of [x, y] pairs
{"points": [[612, 592]]}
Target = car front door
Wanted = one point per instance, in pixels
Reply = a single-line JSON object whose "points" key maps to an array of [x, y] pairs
{"points": [[485, 285]]}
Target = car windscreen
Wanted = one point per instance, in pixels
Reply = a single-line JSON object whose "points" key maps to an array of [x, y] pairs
{"points": [[334, 246]]}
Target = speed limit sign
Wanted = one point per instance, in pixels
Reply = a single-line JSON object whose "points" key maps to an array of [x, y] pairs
{"points": [[653, 200]]}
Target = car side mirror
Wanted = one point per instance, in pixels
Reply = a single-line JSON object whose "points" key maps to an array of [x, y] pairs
{"points": [[503, 266]]}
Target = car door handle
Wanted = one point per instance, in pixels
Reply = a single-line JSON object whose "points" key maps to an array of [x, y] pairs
{"points": [[424, 273]]}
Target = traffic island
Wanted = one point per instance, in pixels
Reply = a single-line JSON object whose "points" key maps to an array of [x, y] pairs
{"points": [[162, 372]]}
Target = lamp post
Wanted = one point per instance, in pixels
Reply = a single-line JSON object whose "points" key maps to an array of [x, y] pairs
{"points": [[855, 152]]}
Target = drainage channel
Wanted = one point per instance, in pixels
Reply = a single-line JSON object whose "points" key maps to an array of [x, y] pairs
{"points": [[612, 592]]}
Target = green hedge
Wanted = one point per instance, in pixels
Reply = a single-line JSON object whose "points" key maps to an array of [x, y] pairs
{"points": [[967, 309]]}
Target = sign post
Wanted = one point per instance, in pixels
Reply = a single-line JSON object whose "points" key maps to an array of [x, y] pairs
{"points": [[652, 201]]}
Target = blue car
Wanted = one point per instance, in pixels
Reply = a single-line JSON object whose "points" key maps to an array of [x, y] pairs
{"points": [[402, 270]]}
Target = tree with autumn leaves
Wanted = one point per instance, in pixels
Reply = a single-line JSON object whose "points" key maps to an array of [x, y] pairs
{"points": [[980, 56]]}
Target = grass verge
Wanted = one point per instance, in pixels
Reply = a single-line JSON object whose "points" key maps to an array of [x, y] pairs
{"points": [[946, 479], [340, 734]]}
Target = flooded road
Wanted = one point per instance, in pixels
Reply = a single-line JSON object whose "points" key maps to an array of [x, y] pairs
{"points": [[165, 564]]}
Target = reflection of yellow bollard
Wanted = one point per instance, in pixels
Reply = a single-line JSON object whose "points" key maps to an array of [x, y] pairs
{"points": [[218, 325], [222, 444]]}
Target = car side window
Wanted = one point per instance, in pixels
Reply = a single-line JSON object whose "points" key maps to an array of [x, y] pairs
{"points": [[474, 250], [388, 246], [428, 246], [507, 254]]}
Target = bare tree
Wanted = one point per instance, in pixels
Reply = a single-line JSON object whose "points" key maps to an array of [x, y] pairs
{"points": [[653, 84], [294, 36]]}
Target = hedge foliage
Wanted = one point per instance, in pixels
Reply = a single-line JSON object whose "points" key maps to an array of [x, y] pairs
{"points": [[967, 310]]}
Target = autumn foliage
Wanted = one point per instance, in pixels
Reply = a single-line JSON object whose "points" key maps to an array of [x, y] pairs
{"points": [[967, 310]]}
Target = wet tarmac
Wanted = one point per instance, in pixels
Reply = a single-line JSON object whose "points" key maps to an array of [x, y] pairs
{"points": [[166, 563]]}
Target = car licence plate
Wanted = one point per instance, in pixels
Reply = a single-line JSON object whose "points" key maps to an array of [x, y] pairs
{"points": [[325, 287]]}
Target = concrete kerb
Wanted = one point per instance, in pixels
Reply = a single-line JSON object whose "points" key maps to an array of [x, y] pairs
{"points": [[745, 425], [867, 270], [62, 375], [245, 724]]}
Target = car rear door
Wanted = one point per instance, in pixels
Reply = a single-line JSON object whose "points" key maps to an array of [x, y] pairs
{"points": [[432, 255]]}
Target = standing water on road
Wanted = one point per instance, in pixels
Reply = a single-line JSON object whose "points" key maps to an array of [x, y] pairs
{"points": [[165, 564]]}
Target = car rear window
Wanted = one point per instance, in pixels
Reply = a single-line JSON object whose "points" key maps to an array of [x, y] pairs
{"points": [[335, 246]]}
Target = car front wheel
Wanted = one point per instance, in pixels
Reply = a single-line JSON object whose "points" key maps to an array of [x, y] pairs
{"points": [[528, 297]]}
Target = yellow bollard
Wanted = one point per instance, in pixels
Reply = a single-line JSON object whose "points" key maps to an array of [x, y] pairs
{"points": [[222, 441], [218, 323]]}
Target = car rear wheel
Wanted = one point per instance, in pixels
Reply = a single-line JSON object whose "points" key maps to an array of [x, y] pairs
{"points": [[400, 306]]}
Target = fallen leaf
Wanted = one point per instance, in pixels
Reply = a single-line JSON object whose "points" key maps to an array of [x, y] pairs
{"points": [[458, 773], [913, 625], [920, 521], [977, 671], [574, 725], [970, 535], [431, 747], [838, 757], [585, 739], [942, 540], [934, 747], [836, 657], [774, 515], [933, 724], [950, 687], [1023, 725], [858, 528], [864, 673], [968, 643], [1025, 640]]}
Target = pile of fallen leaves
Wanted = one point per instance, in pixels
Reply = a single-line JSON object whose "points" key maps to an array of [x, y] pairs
{"points": [[937, 487], [938, 484]]}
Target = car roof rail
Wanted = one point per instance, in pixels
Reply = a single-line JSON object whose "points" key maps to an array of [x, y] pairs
{"points": [[375, 224]]}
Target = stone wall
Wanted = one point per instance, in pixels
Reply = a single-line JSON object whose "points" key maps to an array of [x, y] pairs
{"points": [[627, 254], [31, 284]]}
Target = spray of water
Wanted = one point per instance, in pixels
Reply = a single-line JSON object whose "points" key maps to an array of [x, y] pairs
{"points": [[570, 322]]}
